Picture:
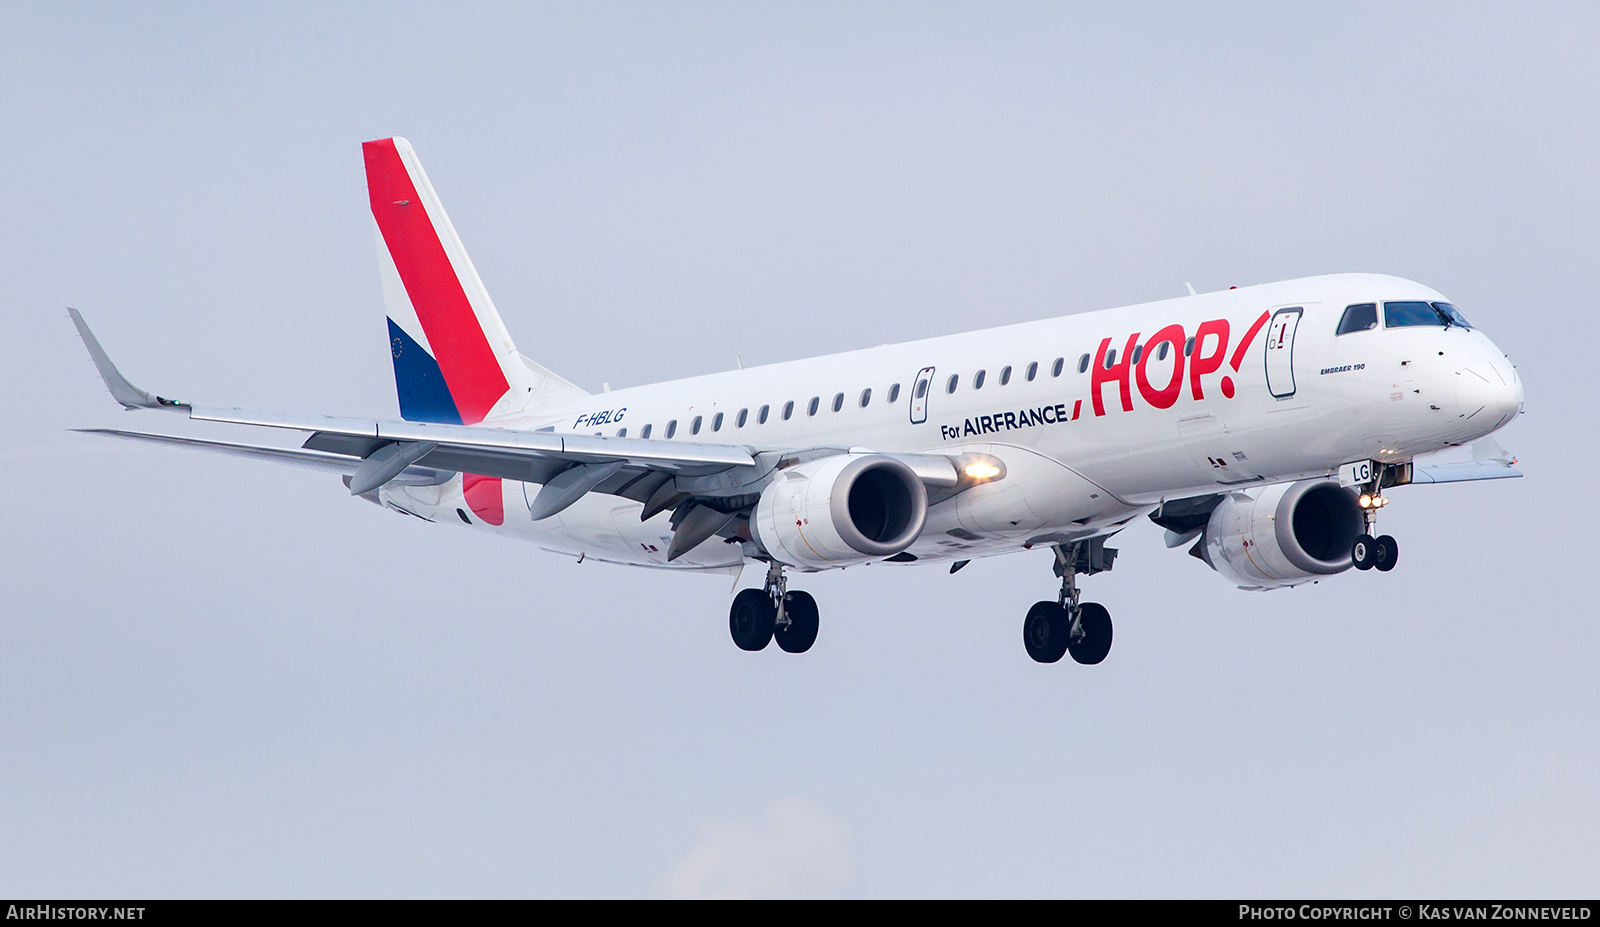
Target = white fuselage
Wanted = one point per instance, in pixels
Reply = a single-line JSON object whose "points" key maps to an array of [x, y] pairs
{"points": [[1090, 440]]}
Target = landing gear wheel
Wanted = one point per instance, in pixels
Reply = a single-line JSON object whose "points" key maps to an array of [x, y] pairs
{"points": [[801, 633], [1096, 642], [1386, 553], [751, 619], [1364, 552], [1044, 631]]}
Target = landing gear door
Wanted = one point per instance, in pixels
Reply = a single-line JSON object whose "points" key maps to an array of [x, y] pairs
{"points": [[919, 395], [1280, 352]]}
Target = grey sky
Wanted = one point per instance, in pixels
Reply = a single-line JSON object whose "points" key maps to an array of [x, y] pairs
{"points": [[224, 678]]}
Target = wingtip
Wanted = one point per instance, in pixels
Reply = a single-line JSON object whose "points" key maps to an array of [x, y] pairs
{"points": [[124, 392]]}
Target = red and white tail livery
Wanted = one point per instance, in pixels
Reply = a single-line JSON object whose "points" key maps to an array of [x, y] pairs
{"points": [[437, 305]]}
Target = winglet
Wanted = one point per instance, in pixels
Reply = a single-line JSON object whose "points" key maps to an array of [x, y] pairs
{"points": [[131, 397]]}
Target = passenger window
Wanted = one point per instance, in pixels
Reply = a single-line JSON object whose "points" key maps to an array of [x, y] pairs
{"points": [[1138, 352], [954, 381], [894, 392], [716, 422], [838, 402], [1083, 364], [1188, 346], [788, 410], [672, 428], [644, 432], [811, 407], [1033, 370], [866, 397], [1359, 318], [1055, 369], [744, 414], [694, 426], [1161, 352], [761, 417], [922, 388], [1407, 313], [977, 381], [1005, 375], [622, 432]]}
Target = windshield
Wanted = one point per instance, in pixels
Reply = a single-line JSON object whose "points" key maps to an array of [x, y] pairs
{"points": [[1404, 314], [1453, 314]]}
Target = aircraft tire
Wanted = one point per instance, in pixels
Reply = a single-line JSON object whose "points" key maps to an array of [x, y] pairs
{"points": [[1044, 632], [1386, 553], [802, 630], [1096, 643], [751, 619], [1364, 552]]}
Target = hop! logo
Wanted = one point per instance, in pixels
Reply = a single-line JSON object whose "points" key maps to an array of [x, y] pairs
{"points": [[1207, 356]]}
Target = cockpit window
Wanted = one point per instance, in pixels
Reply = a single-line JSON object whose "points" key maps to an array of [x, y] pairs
{"points": [[1408, 313], [1359, 318], [1453, 314]]}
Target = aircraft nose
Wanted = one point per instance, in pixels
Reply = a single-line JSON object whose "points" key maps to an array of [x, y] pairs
{"points": [[1489, 392]]}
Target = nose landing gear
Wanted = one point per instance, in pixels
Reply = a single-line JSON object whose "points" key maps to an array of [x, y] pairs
{"points": [[1053, 629], [1383, 551]]}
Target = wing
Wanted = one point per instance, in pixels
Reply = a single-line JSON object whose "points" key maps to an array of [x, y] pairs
{"points": [[306, 459], [1461, 472], [1489, 461], [372, 452]]}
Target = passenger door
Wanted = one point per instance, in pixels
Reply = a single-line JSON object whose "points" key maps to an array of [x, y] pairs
{"points": [[1280, 352], [919, 395]]}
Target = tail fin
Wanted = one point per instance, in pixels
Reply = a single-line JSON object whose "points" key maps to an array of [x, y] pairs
{"points": [[453, 358]]}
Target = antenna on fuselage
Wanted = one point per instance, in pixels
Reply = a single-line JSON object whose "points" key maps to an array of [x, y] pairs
{"points": [[1191, 289]]}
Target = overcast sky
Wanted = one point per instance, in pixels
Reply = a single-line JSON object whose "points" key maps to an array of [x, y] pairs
{"points": [[225, 678]]}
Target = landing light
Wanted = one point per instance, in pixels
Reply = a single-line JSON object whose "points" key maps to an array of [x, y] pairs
{"points": [[1373, 502], [982, 470]]}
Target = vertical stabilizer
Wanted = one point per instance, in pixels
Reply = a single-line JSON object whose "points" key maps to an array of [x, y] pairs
{"points": [[454, 361]]}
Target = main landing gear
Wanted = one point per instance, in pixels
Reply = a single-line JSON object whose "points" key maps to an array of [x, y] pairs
{"points": [[1382, 551], [1054, 629], [760, 616]]}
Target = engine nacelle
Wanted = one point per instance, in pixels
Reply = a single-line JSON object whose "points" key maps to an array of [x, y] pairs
{"points": [[1283, 535], [840, 510]]}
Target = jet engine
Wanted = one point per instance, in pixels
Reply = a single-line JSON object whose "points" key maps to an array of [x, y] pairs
{"points": [[849, 508], [1282, 535]]}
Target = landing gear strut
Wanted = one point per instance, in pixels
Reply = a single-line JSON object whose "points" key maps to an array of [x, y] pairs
{"points": [[759, 616], [1382, 551], [1083, 629]]}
